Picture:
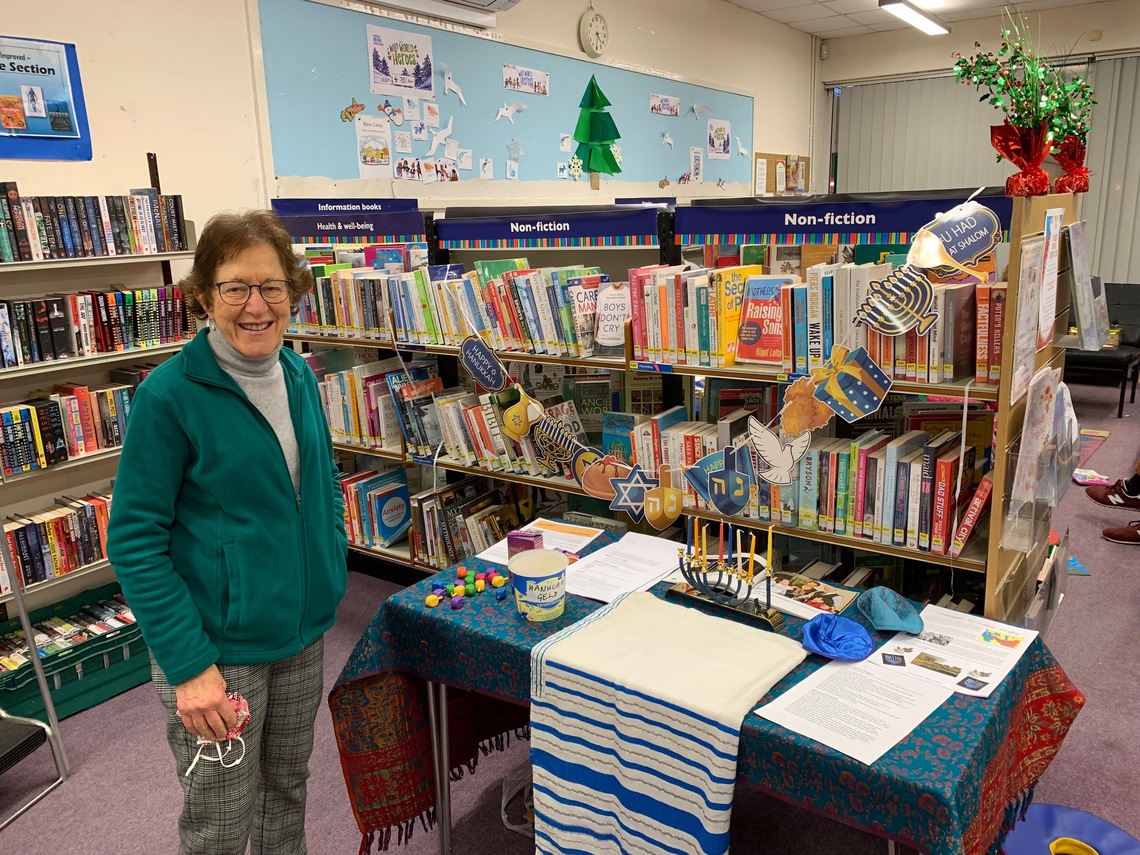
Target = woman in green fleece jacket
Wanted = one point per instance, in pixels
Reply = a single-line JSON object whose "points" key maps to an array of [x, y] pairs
{"points": [[227, 534]]}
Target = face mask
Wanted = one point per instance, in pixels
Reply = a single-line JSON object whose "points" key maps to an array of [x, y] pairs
{"points": [[241, 707]]}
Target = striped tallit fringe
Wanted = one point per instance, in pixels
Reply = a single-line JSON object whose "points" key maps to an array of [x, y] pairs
{"points": [[382, 838], [1014, 813]]}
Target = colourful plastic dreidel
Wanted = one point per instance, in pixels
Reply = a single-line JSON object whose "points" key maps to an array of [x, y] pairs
{"points": [[431, 601], [461, 572], [480, 576], [470, 591], [501, 594], [457, 602], [498, 581], [449, 588], [459, 591], [479, 586]]}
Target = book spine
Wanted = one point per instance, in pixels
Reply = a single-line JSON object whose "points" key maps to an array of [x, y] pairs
{"points": [[105, 224], [982, 369], [79, 236], [95, 224], [926, 497], [71, 240], [901, 503], [828, 316], [19, 224], [34, 240], [704, 353], [997, 331], [973, 514], [9, 249], [914, 497], [945, 471]]}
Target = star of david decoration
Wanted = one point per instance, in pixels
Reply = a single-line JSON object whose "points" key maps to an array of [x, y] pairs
{"points": [[630, 492]]}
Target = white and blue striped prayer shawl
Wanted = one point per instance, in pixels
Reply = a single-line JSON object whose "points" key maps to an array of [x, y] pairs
{"points": [[635, 727]]}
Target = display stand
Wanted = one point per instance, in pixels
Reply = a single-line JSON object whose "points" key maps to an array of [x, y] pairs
{"points": [[1010, 573]]}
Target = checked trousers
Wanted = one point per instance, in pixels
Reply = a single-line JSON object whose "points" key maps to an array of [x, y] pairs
{"points": [[262, 798]]}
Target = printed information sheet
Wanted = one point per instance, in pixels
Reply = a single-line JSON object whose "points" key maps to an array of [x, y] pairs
{"points": [[966, 653], [635, 563], [856, 708]]}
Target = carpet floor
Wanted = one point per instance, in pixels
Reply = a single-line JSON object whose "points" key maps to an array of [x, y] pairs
{"points": [[122, 798]]}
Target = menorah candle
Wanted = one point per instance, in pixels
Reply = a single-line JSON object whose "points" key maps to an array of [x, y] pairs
{"points": [[751, 555], [720, 544], [704, 544], [688, 535]]}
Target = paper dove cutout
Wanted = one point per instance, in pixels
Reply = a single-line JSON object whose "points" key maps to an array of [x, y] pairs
{"points": [[449, 85], [777, 460], [439, 137], [697, 109], [740, 149], [509, 110], [666, 139]]}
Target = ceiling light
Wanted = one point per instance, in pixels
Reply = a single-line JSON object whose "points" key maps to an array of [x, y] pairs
{"points": [[914, 16]]}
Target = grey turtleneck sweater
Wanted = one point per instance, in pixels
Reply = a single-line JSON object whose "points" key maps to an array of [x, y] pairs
{"points": [[263, 382]]}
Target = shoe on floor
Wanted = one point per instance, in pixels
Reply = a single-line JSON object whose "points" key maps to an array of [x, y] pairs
{"points": [[1113, 496], [1128, 534]]}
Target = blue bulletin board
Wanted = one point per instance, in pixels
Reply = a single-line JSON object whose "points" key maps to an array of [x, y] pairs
{"points": [[322, 92]]}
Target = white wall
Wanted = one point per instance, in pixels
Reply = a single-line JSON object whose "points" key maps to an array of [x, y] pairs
{"points": [[163, 76], [1053, 31], [710, 42]]}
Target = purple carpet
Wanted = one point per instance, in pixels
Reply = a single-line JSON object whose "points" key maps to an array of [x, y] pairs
{"points": [[122, 797]]}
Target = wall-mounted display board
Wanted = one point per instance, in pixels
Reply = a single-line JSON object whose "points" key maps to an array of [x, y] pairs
{"points": [[780, 174], [356, 95]]}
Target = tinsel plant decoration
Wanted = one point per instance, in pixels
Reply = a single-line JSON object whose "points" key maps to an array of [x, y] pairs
{"points": [[1070, 128]]}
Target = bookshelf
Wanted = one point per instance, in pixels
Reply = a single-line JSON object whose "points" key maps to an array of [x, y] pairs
{"points": [[29, 492], [486, 234]]}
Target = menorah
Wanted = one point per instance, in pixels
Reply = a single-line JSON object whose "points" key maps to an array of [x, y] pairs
{"points": [[726, 580]]}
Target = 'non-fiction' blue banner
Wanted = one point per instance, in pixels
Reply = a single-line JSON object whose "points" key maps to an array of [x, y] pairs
{"points": [[840, 221], [633, 227]]}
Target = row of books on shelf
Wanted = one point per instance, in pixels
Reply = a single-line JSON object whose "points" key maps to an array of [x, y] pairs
{"points": [[66, 421], [376, 506], [58, 634], [455, 522], [35, 228], [62, 326], [56, 540]]}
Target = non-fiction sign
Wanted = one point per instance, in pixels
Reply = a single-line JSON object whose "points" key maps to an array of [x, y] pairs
{"points": [[852, 218], [632, 227]]}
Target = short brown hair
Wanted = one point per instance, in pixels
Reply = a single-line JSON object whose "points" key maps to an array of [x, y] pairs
{"points": [[230, 233]]}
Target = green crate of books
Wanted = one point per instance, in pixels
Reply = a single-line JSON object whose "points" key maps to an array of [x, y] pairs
{"points": [[83, 674]]}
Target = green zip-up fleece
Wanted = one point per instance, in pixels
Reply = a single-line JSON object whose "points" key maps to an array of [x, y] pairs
{"points": [[219, 559]]}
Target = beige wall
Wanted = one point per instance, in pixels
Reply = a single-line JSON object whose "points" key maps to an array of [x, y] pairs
{"points": [[163, 76], [1054, 32]]}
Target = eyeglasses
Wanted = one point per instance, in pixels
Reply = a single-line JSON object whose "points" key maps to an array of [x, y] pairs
{"points": [[237, 293]]}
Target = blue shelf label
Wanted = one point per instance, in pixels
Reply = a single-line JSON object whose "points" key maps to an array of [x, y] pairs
{"points": [[659, 367], [838, 221], [340, 207], [632, 227]]}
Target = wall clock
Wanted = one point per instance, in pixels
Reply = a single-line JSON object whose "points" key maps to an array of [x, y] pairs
{"points": [[594, 33]]}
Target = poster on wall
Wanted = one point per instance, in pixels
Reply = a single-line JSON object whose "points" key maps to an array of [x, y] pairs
{"points": [[696, 164], [374, 146], [400, 63], [720, 137], [664, 105], [35, 90], [519, 79]]}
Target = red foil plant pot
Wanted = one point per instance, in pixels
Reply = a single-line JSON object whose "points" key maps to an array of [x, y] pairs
{"points": [[1025, 148], [1070, 154]]}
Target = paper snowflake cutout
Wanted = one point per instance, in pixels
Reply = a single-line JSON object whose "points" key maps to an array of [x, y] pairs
{"points": [[615, 150], [515, 149], [575, 167]]}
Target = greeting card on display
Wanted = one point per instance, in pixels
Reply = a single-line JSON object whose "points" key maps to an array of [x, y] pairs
{"points": [[665, 105], [1025, 329], [412, 109], [451, 150], [431, 114], [1039, 410], [464, 159], [486, 168], [719, 139], [1047, 310], [403, 142]]}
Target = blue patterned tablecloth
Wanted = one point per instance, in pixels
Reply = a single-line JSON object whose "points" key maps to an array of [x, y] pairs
{"points": [[954, 786]]}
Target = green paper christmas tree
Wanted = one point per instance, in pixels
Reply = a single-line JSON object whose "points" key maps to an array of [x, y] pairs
{"points": [[596, 132]]}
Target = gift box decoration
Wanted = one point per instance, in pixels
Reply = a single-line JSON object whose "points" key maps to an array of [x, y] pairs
{"points": [[851, 383]]}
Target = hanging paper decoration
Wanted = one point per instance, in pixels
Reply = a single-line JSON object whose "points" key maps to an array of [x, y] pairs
{"points": [[777, 461], [901, 302], [802, 412], [483, 364], [596, 473], [629, 493], [663, 503], [958, 239], [595, 133], [574, 168], [554, 443], [518, 418], [724, 479], [851, 383]]}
